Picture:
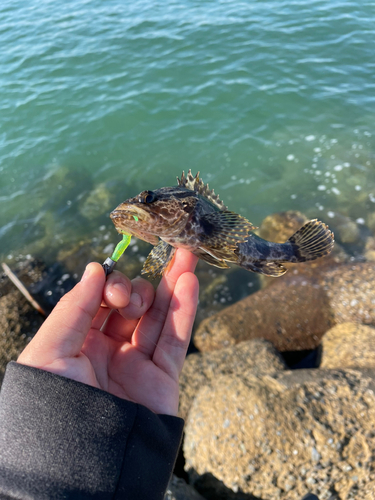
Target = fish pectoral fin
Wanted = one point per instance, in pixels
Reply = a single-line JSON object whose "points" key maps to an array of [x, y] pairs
{"points": [[158, 259], [263, 267], [210, 259], [223, 231]]}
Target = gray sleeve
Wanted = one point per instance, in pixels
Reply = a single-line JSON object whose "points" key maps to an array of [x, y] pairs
{"points": [[63, 439]]}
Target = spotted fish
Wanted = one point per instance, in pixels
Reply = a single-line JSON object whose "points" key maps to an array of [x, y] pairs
{"points": [[193, 217]]}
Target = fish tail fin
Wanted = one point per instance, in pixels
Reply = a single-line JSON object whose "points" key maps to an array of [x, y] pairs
{"points": [[313, 240]]}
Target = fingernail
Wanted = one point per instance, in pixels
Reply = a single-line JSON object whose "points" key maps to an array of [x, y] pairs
{"points": [[121, 288], [136, 299]]}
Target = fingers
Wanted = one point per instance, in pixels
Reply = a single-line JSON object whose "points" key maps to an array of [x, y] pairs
{"points": [[117, 290], [147, 333], [140, 300], [170, 353], [64, 331], [131, 299]]}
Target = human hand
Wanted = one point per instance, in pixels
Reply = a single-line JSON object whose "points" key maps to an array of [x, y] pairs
{"points": [[135, 352]]}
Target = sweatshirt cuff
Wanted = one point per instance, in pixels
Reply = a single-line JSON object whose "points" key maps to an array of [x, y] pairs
{"points": [[62, 438]]}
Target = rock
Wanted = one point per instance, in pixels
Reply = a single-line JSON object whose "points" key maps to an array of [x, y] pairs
{"points": [[98, 201], [280, 226], [349, 345], [257, 356], [19, 321], [350, 292], [370, 219], [213, 489], [179, 490], [347, 231], [369, 250], [76, 257], [296, 310], [283, 437]]}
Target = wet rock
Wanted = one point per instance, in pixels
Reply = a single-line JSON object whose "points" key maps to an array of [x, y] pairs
{"points": [[369, 250], [370, 220], [296, 310], [179, 490], [283, 437], [346, 230], [257, 356], [19, 321], [349, 345]]}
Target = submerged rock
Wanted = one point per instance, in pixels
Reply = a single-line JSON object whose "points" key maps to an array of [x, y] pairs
{"points": [[281, 226], [98, 201], [281, 438], [296, 310], [346, 230]]}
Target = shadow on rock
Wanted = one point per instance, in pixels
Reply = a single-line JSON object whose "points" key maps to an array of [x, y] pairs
{"points": [[213, 489]]}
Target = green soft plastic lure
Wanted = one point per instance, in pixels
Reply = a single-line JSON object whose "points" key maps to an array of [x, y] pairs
{"points": [[121, 247], [110, 262]]}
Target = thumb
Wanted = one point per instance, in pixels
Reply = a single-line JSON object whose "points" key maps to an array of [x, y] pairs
{"points": [[64, 331]]}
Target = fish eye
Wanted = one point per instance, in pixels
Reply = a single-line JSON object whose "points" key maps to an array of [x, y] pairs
{"points": [[147, 197]]}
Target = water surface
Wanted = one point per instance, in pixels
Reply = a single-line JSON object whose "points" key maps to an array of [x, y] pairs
{"points": [[272, 101]]}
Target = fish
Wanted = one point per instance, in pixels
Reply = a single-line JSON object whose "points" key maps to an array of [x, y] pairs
{"points": [[191, 216]]}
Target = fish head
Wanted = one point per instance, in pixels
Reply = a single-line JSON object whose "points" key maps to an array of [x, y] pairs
{"points": [[155, 214]]}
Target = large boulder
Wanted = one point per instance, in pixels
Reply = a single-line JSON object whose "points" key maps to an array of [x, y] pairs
{"points": [[296, 310], [256, 356], [283, 437], [349, 345]]}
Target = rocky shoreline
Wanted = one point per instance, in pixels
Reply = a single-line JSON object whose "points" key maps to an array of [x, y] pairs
{"points": [[254, 428], [263, 431]]}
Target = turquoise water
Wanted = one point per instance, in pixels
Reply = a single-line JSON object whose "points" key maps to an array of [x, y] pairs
{"points": [[272, 101]]}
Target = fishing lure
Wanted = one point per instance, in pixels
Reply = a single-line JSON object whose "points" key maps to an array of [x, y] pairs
{"points": [[110, 262]]}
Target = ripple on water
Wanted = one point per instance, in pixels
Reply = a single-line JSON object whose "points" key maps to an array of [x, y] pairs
{"points": [[134, 92]]}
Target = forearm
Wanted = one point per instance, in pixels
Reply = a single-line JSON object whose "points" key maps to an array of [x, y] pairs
{"points": [[63, 439]]}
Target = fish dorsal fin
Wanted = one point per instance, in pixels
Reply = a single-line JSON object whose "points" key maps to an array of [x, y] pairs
{"points": [[196, 184]]}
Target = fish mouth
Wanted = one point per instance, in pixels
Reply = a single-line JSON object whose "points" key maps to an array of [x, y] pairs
{"points": [[134, 220], [127, 212]]}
